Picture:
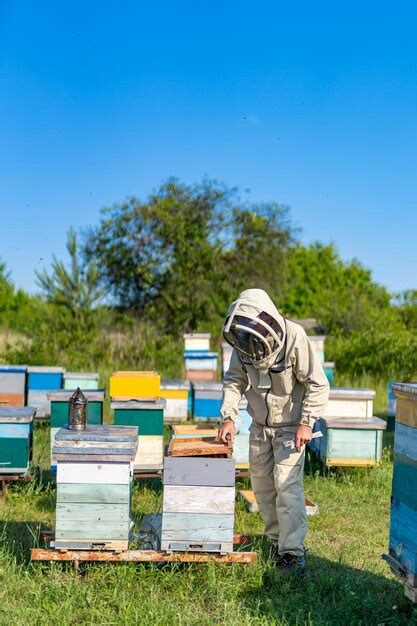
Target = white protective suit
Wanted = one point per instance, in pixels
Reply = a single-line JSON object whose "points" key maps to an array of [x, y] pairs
{"points": [[286, 388]]}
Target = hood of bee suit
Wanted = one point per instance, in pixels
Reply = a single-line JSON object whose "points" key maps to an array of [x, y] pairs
{"points": [[255, 328]]}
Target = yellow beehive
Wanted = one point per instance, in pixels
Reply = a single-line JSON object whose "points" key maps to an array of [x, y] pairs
{"points": [[174, 394], [135, 385]]}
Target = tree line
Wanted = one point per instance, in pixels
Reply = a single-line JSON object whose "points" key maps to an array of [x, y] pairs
{"points": [[152, 269]]}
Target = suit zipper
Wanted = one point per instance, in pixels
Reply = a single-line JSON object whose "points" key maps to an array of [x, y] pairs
{"points": [[266, 399]]}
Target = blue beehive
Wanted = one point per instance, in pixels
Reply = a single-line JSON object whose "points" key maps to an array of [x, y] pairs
{"points": [[41, 381], [402, 556], [207, 400]]}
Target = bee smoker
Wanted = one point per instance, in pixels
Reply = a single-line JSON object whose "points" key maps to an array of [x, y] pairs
{"points": [[77, 412]]}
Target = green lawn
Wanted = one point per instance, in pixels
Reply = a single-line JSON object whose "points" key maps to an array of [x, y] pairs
{"points": [[347, 581]]}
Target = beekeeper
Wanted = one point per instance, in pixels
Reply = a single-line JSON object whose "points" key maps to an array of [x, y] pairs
{"points": [[275, 366]]}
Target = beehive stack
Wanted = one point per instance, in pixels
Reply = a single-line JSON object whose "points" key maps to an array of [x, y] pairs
{"points": [[199, 498], [16, 436], [60, 407], [176, 394], [200, 363], [403, 529], [83, 380], [352, 436], [207, 400], [94, 480], [318, 342], [41, 381], [136, 402], [12, 385]]}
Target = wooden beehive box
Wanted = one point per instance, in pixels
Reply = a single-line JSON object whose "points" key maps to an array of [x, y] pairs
{"points": [[207, 400], [59, 401], [176, 394], [345, 402], [12, 385], [349, 442], [41, 381], [83, 380], [94, 481], [403, 527], [198, 504], [135, 385], [197, 341], [16, 437], [148, 416], [200, 375]]}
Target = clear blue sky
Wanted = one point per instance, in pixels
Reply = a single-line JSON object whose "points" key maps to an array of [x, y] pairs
{"points": [[312, 104]]}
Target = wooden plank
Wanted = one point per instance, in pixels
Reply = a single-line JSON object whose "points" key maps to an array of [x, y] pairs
{"points": [[186, 499], [371, 423], [197, 527], [346, 462], [199, 471], [199, 447], [194, 430], [94, 473], [93, 493], [73, 530], [249, 500], [88, 544], [97, 513], [95, 458], [21, 414], [406, 410], [148, 556], [95, 432]]}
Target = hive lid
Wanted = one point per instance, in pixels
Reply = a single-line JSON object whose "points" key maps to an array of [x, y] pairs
{"points": [[85, 375], [13, 369], [45, 369], [17, 414], [328, 364], [198, 430], [207, 386], [209, 446], [339, 393], [175, 384], [96, 443], [63, 395], [408, 389], [362, 423], [196, 336], [143, 405], [135, 374]]}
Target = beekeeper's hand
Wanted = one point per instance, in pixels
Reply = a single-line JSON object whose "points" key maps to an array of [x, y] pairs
{"points": [[227, 428]]}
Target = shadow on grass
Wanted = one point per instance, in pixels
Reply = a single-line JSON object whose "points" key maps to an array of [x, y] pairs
{"points": [[18, 537], [331, 593]]}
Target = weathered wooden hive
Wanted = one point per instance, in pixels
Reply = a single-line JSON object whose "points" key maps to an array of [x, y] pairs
{"points": [[199, 497], [41, 381], [94, 482], [352, 436], [207, 400], [176, 394], [12, 385], [16, 437], [60, 410], [83, 380], [403, 529]]}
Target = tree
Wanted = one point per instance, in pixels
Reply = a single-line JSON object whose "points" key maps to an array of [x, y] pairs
{"points": [[179, 257], [76, 289]]}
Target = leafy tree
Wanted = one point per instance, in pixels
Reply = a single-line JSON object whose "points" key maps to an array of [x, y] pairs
{"points": [[342, 295], [179, 257]]}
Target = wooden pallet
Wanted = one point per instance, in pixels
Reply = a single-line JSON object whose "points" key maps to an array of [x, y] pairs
{"points": [[140, 556]]}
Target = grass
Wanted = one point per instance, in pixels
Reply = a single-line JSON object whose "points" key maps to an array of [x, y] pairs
{"points": [[347, 581]]}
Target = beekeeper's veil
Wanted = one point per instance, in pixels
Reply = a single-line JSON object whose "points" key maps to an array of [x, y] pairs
{"points": [[255, 328]]}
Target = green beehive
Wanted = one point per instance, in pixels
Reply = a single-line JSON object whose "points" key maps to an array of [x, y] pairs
{"points": [[149, 417], [83, 380], [16, 437]]}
